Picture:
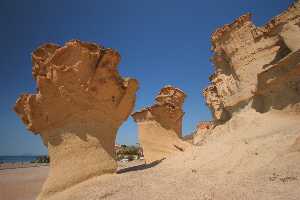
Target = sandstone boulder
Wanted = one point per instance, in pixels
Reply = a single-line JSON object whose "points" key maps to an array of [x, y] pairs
{"points": [[80, 103], [160, 125], [244, 54]]}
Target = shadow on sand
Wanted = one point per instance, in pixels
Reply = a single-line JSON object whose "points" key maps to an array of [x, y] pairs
{"points": [[140, 167]]}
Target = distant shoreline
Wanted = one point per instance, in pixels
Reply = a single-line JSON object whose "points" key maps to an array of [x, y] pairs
{"points": [[18, 158], [4, 166], [14, 162]]}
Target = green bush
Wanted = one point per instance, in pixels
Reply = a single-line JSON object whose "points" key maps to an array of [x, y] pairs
{"points": [[130, 152], [41, 159]]}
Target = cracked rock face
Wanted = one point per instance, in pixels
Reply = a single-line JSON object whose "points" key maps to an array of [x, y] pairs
{"points": [[80, 103], [243, 54], [160, 125]]}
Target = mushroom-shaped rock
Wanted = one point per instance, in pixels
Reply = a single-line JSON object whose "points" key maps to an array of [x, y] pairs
{"points": [[80, 103], [160, 125]]}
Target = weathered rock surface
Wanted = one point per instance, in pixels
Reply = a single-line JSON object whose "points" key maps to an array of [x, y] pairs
{"points": [[160, 125], [80, 103], [251, 63], [296, 145], [203, 129]]}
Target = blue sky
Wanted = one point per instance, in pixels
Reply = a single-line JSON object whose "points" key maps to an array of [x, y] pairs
{"points": [[161, 42]]}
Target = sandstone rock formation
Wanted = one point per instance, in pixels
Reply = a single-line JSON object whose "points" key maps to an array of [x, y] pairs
{"points": [[203, 129], [160, 125], [257, 65], [80, 103]]}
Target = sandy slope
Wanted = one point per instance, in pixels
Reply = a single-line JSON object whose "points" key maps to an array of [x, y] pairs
{"points": [[253, 156]]}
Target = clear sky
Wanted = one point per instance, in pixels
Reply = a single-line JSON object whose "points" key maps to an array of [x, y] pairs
{"points": [[160, 41]]}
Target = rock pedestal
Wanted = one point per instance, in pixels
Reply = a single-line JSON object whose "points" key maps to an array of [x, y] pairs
{"points": [[80, 103], [160, 125]]}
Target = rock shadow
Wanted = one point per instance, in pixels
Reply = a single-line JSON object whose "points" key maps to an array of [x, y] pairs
{"points": [[140, 167]]}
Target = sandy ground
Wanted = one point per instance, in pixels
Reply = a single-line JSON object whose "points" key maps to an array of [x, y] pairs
{"points": [[24, 181], [253, 156]]}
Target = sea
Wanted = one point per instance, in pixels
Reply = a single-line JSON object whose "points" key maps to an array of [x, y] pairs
{"points": [[17, 159]]}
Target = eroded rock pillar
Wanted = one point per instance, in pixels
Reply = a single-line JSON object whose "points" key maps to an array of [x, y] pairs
{"points": [[160, 125], [80, 103]]}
